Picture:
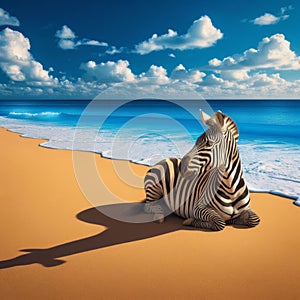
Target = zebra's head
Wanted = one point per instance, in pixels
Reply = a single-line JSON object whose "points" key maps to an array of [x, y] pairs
{"points": [[214, 148]]}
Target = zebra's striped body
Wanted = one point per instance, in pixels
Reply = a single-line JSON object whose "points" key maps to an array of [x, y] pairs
{"points": [[206, 186]]}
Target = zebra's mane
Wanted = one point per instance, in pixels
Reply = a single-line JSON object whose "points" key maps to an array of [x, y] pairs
{"points": [[220, 124]]}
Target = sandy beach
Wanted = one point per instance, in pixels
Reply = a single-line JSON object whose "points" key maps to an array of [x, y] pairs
{"points": [[56, 245]]}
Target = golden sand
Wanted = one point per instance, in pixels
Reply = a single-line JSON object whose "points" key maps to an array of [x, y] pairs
{"points": [[73, 251]]}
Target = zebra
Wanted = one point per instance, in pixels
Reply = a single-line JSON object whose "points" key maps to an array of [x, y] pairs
{"points": [[205, 187]]}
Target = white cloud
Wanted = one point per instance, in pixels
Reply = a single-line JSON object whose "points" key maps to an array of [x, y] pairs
{"points": [[17, 62], [114, 50], [283, 10], [201, 34], [213, 80], [65, 33], [257, 85], [6, 19], [64, 89], [66, 44], [266, 19], [270, 19], [192, 76], [233, 77], [155, 83], [156, 75], [108, 72], [67, 40], [172, 55], [264, 80], [91, 43], [136, 90], [237, 75], [115, 80], [185, 83], [272, 52]]}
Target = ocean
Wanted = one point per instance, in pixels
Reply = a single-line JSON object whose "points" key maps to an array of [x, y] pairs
{"points": [[146, 131]]}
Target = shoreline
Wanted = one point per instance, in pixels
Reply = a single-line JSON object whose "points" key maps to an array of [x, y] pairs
{"points": [[56, 245], [296, 200]]}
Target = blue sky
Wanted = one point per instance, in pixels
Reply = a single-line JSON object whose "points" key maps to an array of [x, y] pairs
{"points": [[149, 49]]}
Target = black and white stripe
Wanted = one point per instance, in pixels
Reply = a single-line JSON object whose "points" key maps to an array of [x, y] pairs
{"points": [[206, 186]]}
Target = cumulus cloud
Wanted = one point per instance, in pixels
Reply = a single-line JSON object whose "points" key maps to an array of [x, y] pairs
{"points": [[270, 19], [17, 62], [64, 89], [155, 82], [113, 72], [181, 73], [182, 83], [67, 40], [6, 19], [156, 75], [108, 72], [213, 81], [201, 34], [137, 90], [272, 52], [65, 33], [115, 80], [237, 76], [257, 85], [265, 80]]}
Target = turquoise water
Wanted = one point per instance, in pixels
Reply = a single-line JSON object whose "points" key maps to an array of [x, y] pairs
{"points": [[146, 131]]}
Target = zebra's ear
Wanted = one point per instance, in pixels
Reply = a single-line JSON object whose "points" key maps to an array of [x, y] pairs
{"points": [[204, 117], [216, 119]]}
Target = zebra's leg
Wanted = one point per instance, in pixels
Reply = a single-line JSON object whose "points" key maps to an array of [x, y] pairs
{"points": [[154, 192], [206, 218], [152, 207], [247, 218]]}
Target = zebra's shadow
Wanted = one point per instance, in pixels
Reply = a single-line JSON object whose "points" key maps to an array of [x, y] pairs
{"points": [[117, 232]]}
